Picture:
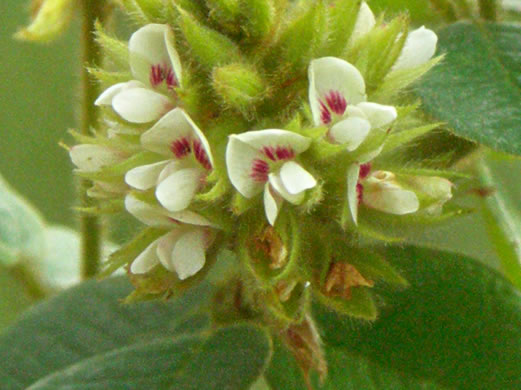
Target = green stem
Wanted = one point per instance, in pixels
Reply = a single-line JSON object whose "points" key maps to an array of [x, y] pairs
{"points": [[90, 226], [488, 9]]}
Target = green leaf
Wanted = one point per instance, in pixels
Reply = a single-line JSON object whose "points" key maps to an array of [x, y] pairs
{"points": [[502, 217], [229, 358], [283, 371], [21, 228], [86, 321], [350, 371], [477, 88], [458, 325]]}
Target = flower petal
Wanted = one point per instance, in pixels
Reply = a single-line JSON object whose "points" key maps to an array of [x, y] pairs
{"points": [[141, 105], [174, 126], [188, 256], [177, 191], [146, 260], [240, 158], [91, 158], [189, 217], [174, 56], [295, 178], [147, 213], [148, 47], [274, 138], [332, 75], [350, 132], [390, 198], [378, 115], [353, 173], [272, 203], [105, 99], [145, 176], [165, 248], [365, 22], [277, 184], [419, 48]]}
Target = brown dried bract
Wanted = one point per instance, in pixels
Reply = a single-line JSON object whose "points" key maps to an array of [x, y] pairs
{"points": [[271, 245], [304, 342], [341, 277]]}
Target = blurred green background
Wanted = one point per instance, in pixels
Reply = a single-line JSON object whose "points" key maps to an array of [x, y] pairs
{"points": [[38, 92]]}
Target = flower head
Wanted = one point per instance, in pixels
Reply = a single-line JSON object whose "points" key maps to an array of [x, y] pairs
{"points": [[189, 160], [181, 250], [156, 67], [337, 99], [265, 160]]}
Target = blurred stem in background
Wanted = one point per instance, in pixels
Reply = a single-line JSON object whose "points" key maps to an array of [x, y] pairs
{"points": [[90, 226], [488, 9]]}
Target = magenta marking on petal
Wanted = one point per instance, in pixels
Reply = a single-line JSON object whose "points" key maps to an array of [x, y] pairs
{"points": [[162, 73], [259, 170], [284, 153], [181, 147], [359, 192], [278, 153], [325, 115], [174, 220], [365, 169], [269, 152], [201, 156], [336, 102]]}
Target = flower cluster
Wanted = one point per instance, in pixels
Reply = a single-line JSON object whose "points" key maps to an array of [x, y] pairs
{"points": [[189, 168]]}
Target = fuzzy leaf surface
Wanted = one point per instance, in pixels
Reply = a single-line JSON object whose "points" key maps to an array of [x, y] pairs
{"points": [[477, 88], [86, 321], [229, 358]]}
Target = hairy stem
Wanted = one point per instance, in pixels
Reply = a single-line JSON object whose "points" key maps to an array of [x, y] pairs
{"points": [[90, 226]]}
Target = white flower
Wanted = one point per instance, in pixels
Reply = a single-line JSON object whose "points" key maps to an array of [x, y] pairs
{"points": [[181, 250], [365, 22], [337, 99], [264, 160], [155, 65], [92, 158], [178, 178], [419, 48], [378, 190]]}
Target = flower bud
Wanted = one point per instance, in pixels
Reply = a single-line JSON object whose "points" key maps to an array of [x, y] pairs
{"points": [[238, 85], [259, 17], [432, 191], [210, 47]]}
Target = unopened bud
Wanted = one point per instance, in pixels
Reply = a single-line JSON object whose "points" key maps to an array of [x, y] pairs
{"points": [[238, 85]]}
